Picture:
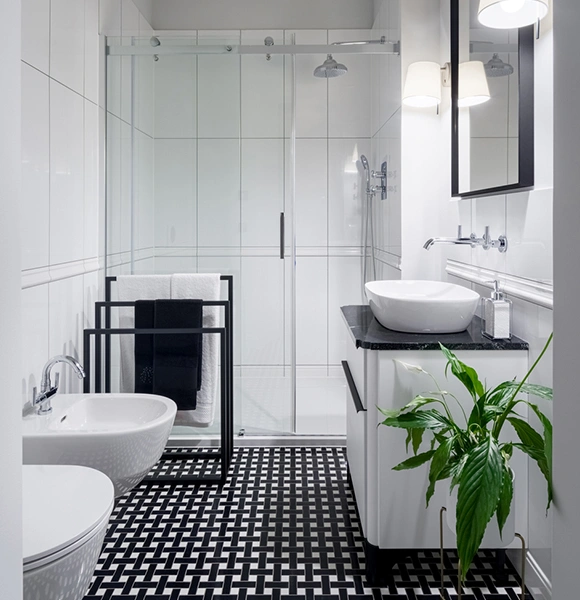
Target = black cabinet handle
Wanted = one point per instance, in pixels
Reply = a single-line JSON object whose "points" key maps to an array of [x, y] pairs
{"points": [[352, 387]]}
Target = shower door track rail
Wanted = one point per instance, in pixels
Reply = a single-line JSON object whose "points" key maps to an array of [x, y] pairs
{"points": [[225, 453], [370, 48]]}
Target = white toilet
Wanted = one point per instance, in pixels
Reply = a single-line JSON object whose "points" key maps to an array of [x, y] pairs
{"points": [[66, 510]]}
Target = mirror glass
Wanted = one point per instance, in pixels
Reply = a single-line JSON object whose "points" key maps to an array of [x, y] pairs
{"points": [[488, 141]]}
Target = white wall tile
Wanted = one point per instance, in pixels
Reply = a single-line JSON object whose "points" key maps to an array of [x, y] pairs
{"points": [[344, 288], [36, 33], [176, 97], [126, 175], [114, 197], [67, 43], [91, 180], [66, 175], [145, 94], [92, 51], [311, 92], [311, 311], [346, 190], [349, 96], [35, 350], [66, 319], [262, 311], [262, 191], [175, 192], [262, 89], [490, 211], [110, 17], [219, 192], [311, 192], [35, 168], [144, 195]]}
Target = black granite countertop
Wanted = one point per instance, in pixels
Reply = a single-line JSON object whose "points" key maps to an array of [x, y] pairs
{"points": [[369, 334]]}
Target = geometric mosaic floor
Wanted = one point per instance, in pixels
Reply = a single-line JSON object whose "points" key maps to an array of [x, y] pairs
{"points": [[284, 526]]}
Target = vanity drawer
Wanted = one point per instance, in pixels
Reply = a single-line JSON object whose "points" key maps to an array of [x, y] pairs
{"points": [[356, 416]]}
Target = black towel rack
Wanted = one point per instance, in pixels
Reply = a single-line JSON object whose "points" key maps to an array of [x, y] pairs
{"points": [[225, 334]]}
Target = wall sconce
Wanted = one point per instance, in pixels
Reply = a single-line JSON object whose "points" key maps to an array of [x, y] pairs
{"points": [[423, 84], [473, 87], [425, 79], [511, 14]]}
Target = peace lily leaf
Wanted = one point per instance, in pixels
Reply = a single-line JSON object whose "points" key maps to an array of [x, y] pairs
{"points": [[428, 419], [409, 367], [417, 438], [479, 489], [389, 412], [414, 461], [439, 462], [408, 440], [527, 434], [547, 425], [539, 455], [539, 391], [467, 375], [505, 499]]}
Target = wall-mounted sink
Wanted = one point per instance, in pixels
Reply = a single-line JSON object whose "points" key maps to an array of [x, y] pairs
{"points": [[422, 306]]}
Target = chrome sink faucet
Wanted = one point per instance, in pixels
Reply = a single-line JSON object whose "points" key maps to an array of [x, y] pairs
{"points": [[42, 400], [485, 242]]}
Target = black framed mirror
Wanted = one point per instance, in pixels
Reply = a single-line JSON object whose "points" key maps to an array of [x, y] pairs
{"points": [[492, 106]]}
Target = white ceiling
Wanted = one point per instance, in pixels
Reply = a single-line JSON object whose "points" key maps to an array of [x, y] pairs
{"points": [[258, 14]]}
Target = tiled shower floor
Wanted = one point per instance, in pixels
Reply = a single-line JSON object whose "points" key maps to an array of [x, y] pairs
{"points": [[284, 526]]}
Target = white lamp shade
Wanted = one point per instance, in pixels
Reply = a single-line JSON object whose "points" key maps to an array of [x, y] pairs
{"points": [[473, 87], [511, 14], [423, 85]]}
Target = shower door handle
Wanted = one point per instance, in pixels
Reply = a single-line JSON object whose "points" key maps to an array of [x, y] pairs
{"points": [[282, 233]]}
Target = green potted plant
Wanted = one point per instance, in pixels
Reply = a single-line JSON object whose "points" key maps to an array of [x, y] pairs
{"points": [[470, 453]]}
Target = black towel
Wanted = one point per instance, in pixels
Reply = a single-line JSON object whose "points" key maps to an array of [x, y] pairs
{"points": [[177, 358], [144, 319]]}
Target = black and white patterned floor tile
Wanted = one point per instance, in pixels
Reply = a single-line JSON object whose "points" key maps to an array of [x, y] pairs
{"points": [[284, 526]]}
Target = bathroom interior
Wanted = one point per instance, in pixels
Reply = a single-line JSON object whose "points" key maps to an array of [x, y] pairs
{"points": [[313, 195]]}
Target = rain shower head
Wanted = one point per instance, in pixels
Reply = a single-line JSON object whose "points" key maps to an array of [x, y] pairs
{"points": [[495, 67], [330, 68], [154, 41]]}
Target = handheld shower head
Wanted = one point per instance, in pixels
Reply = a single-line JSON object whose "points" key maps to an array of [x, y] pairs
{"points": [[365, 163]]}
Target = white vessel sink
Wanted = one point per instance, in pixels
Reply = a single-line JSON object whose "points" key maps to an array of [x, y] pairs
{"points": [[422, 306], [121, 435]]}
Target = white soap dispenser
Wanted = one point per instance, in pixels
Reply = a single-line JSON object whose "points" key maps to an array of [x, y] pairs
{"points": [[497, 315]]}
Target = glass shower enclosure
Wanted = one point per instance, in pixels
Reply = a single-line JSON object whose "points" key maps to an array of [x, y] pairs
{"points": [[221, 158]]}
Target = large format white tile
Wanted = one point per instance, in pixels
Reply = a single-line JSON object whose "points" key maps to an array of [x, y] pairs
{"points": [[91, 180], [311, 92], [344, 288], [145, 94], [349, 96], [92, 51], [128, 195], [262, 311], [67, 43], [320, 404], [175, 192], [346, 190], [65, 326], [113, 182], [144, 201], [34, 338], [218, 192], [262, 89], [110, 17], [490, 211], [311, 311], [66, 175], [262, 191], [36, 33], [175, 97], [311, 192], [35, 168], [129, 29]]}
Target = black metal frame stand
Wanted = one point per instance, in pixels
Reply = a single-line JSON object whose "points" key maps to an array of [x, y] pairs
{"points": [[226, 378]]}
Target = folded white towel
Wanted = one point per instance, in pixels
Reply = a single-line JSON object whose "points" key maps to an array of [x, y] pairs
{"points": [[131, 288], [202, 286]]}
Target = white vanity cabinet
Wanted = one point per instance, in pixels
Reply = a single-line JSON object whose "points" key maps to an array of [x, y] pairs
{"points": [[391, 504]]}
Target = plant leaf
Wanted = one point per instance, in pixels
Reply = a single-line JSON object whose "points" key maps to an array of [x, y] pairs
{"points": [[548, 435], [467, 375], [540, 391], [417, 438], [505, 499], [480, 485], [527, 434], [440, 459], [389, 412], [427, 419], [414, 461]]}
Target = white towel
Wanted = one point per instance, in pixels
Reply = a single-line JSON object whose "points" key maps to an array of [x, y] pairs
{"points": [[131, 288], [202, 286]]}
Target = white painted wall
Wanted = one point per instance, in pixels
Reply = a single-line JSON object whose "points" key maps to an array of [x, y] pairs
{"points": [[429, 211], [262, 14], [567, 325], [10, 431]]}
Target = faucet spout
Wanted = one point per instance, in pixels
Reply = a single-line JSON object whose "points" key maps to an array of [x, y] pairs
{"points": [[47, 390]]}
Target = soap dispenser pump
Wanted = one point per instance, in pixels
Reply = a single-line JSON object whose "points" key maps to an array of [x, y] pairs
{"points": [[497, 315]]}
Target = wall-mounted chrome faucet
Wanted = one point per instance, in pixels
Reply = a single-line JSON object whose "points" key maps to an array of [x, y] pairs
{"points": [[42, 400], [485, 242], [382, 176]]}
